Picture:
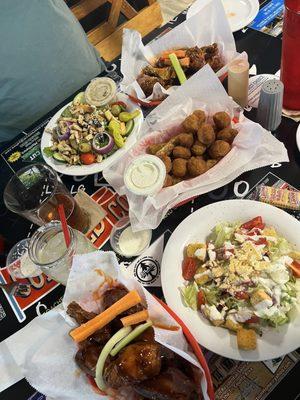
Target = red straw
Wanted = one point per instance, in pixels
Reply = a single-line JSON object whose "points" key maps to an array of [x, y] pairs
{"points": [[64, 225]]}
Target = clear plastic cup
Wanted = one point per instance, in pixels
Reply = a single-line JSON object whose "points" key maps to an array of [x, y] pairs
{"points": [[127, 243]]}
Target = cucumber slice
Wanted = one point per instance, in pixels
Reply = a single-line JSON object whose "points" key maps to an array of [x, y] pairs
{"points": [[66, 113], [105, 353], [129, 126], [58, 157], [129, 338], [79, 99]]}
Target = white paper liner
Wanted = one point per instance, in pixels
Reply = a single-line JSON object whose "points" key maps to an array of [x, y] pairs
{"points": [[253, 147], [206, 24], [49, 364]]}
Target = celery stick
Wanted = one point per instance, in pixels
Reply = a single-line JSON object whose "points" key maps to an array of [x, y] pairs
{"points": [[178, 69], [129, 338], [105, 352]]}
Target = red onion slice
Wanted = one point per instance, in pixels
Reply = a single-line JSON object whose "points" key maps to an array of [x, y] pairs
{"points": [[101, 137]]}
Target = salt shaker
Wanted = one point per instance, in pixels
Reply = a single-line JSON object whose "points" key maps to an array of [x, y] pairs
{"points": [[270, 104]]}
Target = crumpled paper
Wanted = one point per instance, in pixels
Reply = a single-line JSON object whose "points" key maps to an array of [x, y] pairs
{"points": [[49, 364], [207, 25], [253, 147]]}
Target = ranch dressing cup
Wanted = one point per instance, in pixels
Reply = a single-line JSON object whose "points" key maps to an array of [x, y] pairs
{"points": [[100, 92], [145, 175], [47, 249]]}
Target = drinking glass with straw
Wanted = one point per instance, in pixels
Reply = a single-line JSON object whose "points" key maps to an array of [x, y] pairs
{"points": [[34, 192], [53, 246]]}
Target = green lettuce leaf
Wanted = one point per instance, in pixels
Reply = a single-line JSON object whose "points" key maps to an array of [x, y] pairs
{"points": [[189, 295], [223, 232], [279, 248]]}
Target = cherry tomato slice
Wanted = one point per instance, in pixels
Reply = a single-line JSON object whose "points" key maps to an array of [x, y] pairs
{"points": [[295, 266], [253, 223], [87, 158], [200, 298], [189, 267], [261, 240], [253, 320], [241, 295]]}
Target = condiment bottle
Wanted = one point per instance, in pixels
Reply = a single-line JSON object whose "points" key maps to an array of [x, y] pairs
{"points": [[238, 81], [290, 57]]}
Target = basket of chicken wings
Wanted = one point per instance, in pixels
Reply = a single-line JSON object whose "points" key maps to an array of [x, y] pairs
{"points": [[113, 340]]}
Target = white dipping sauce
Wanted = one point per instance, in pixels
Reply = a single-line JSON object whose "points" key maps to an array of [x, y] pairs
{"points": [[133, 243], [145, 175]]}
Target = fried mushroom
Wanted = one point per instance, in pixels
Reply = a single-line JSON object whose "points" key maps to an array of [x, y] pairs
{"points": [[167, 161], [179, 167], [227, 134], [185, 140], [168, 181], [191, 123], [196, 166], [200, 114], [211, 163], [206, 134], [198, 148], [181, 152], [219, 149], [222, 120]]}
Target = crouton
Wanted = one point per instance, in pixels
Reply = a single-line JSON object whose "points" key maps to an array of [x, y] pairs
{"points": [[202, 276], [193, 247], [246, 339], [232, 325], [258, 296]]}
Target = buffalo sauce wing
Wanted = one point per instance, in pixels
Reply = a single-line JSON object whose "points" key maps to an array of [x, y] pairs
{"points": [[139, 361], [169, 385]]}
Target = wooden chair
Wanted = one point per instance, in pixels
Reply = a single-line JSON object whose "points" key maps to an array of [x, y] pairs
{"points": [[107, 37]]}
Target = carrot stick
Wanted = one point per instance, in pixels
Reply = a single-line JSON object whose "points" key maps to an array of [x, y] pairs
{"points": [[179, 53], [184, 62], [135, 318], [131, 299]]}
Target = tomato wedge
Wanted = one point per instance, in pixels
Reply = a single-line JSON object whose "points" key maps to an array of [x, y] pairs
{"points": [[256, 222], [295, 266], [200, 298], [261, 240], [253, 320], [241, 295], [189, 267]]}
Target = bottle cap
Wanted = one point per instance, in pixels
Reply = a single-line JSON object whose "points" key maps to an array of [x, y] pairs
{"points": [[270, 104]]}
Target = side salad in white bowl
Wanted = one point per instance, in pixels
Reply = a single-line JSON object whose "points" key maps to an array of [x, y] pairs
{"points": [[92, 131]]}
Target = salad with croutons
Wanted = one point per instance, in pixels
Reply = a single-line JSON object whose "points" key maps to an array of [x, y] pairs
{"points": [[243, 278]]}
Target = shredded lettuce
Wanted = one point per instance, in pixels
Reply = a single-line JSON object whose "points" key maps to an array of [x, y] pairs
{"points": [[189, 295], [212, 295], [279, 248], [223, 232], [278, 319]]}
